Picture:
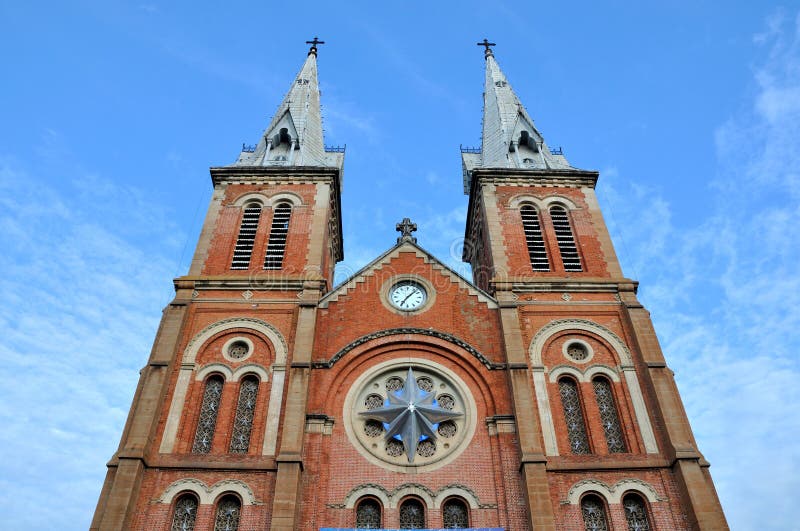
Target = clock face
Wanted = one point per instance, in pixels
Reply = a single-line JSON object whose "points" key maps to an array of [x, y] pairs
{"points": [[408, 295]]}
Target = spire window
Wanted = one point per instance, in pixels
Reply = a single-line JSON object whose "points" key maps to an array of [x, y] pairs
{"points": [[204, 435], [635, 513], [565, 238], [247, 237], [185, 513], [573, 416], [608, 416], [368, 514], [594, 513], [533, 238], [229, 510], [276, 247], [245, 409]]}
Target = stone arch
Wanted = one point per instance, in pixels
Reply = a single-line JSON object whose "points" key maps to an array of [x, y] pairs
{"points": [[367, 489], [250, 368], [562, 325], [541, 203], [612, 494], [583, 375], [211, 368], [207, 495], [562, 370], [623, 487], [257, 325], [413, 490], [282, 197], [594, 486], [254, 197], [457, 491]]}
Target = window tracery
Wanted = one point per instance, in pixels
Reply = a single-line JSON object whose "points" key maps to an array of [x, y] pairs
{"points": [[368, 514], [207, 422], [635, 513], [412, 515], [573, 415], [608, 416], [245, 409], [455, 514], [185, 513], [594, 513], [229, 511]]}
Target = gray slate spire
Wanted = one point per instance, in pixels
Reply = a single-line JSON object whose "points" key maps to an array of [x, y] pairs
{"points": [[510, 138], [294, 136]]}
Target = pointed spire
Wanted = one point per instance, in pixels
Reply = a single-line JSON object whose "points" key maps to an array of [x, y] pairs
{"points": [[294, 136], [510, 138]]}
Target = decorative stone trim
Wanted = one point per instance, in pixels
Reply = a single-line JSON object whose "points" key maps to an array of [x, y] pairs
{"points": [[585, 375], [280, 197], [226, 347], [612, 494], [561, 325], [406, 331], [251, 197], [257, 325], [220, 368], [542, 203], [392, 499], [207, 495], [570, 341]]}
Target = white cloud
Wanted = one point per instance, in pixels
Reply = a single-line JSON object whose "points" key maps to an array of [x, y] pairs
{"points": [[722, 293]]}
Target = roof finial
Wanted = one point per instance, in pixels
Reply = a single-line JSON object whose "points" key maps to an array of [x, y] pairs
{"points": [[488, 45], [314, 45], [405, 228]]}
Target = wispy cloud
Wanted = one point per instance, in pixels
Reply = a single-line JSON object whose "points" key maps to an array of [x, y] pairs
{"points": [[722, 293], [81, 299]]}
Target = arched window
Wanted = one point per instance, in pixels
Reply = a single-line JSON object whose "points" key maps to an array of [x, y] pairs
{"points": [[566, 241], [635, 513], [243, 422], [573, 415], [229, 510], [534, 239], [247, 237], [594, 513], [368, 514], [608, 415], [455, 514], [412, 514], [185, 513], [204, 435], [276, 247]]}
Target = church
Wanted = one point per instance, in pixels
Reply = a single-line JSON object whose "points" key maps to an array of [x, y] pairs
{"points": [[534, 396]]}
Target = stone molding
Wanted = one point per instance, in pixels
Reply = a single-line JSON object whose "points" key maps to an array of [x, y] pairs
{"points": [[585, 325], [542, 203], [272, 333], [612, 494], [392, 499], [585, 375], [208, 495], [232, 375]]}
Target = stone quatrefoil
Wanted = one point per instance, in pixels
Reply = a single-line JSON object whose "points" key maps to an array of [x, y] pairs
{"points": [[411, 415]]}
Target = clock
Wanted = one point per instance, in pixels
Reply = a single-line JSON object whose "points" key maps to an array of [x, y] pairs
{"points": [[408, 295]]}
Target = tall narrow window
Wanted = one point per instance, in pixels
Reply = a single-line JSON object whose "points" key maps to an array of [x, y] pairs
{"points": [[185, 513], [635, 513], [454, 514], [204, 435], [412, 515], [608, 416], [247, 237], [573, 415], [228, 512], [243, 422], [368, 514], [276, 247], [534, 239], [565, 238], [594, 513]]}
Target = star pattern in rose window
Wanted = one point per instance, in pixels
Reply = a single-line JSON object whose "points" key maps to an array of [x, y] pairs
{"points": [[410, 415]]}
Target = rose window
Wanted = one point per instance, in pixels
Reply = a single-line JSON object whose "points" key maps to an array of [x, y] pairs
{"points": [[410, 415]]}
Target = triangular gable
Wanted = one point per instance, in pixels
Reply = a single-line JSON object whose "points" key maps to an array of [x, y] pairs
{"points": [[384, 259]]}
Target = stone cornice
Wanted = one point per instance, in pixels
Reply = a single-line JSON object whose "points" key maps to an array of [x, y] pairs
{"points": [[258, 281], [529, 177], [568, 285], [273, 173]]}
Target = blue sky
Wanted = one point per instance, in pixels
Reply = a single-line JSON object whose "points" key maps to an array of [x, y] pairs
{"points": [[113, 111]]}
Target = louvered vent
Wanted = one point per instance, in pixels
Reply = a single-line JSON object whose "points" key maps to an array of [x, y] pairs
{"points": [[247, 237], [276, 248], [533, 237], [566, 241]]}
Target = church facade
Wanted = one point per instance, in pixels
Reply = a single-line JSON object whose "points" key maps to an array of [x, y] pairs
{"points": [[535, 396]]}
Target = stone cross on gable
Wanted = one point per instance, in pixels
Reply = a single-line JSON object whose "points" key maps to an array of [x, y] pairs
{"points": [[314, 45], [405, 228], [488, 45]]}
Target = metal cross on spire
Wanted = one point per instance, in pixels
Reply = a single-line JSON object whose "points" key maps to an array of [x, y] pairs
{"points": [[405, 228], [488, 46], [314, 45]]}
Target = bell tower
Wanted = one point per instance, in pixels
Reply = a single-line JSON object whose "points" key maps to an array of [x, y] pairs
{"points": [[596, 406], [214, 435]]}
